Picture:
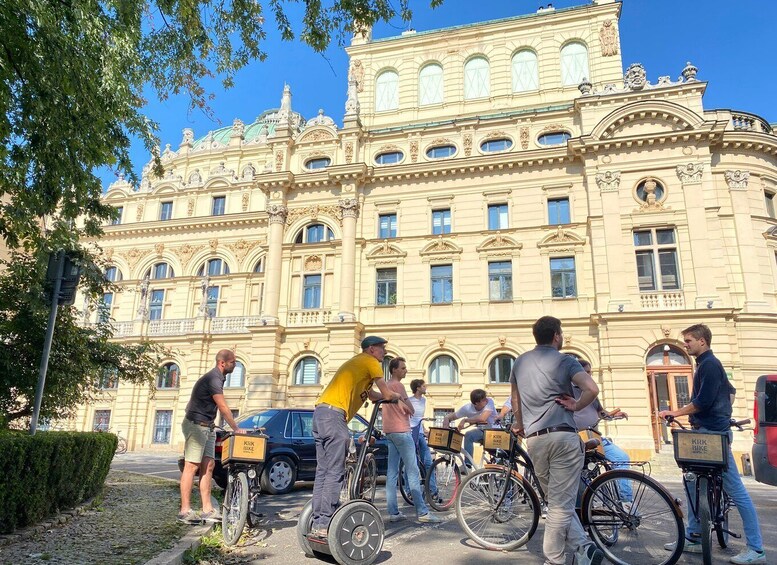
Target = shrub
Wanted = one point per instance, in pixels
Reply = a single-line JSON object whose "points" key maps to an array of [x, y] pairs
{"points": [[48, 472]]}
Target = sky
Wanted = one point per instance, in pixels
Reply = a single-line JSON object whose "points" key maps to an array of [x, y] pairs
{"points": [[731, 43]]}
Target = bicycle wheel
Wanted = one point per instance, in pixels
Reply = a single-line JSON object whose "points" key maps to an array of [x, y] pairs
{"points": [[495, 511], [345, 490], [705, 520], [404, 488], [448, 478], [722, 530], [235, 511], [369, 478], [636, 531], [121, 446]]}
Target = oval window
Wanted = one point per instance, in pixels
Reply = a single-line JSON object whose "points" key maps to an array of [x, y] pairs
{"points": [[440, 151], [389, 158], [554, 138], [496, 145], [318, 163]]}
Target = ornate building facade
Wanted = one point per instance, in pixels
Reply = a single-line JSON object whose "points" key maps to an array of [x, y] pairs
{"points": [[477, 183]]}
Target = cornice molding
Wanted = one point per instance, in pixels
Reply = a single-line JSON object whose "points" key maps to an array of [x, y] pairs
{"points": [[209, 223]]}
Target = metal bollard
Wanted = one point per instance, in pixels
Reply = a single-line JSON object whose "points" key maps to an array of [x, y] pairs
{"points": [[747, 468]]}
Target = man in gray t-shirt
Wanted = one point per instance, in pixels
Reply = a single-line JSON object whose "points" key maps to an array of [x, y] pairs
{"points": [[480, 412], [543, 405]]}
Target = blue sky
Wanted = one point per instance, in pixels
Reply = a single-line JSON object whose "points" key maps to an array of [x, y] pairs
{"points": [[731, 44]]}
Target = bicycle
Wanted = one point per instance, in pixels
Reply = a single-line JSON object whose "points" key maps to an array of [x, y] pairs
{"points": [[121, 446], [703, 458], [368, 482], [423, 472], [499, 508], [243, 458]]}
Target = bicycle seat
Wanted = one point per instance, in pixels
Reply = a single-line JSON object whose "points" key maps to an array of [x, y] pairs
{"points": [[593, 444]]}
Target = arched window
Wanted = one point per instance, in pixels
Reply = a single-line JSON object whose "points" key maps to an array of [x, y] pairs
{"points": [[259, 267], [525, 73], [666, 355], [389, 158], [236, 379], [430, 85], [574, 64], [213, 268], [169, 376], [443, 370], [499, 368], [387, 91], [314, 233], [477, 78], [554, 138], [318, 163], [113, 274], [493, 145], [160, 271], [385, 363], [441, 151], [307, 371]]}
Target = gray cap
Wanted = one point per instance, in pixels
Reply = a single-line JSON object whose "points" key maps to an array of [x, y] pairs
{"points": [[372, 340]]}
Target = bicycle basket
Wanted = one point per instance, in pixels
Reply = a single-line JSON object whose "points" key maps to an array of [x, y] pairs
{"points": [[586, 435], [243, 449], [445, 439], [496, 439], [700, 449]]}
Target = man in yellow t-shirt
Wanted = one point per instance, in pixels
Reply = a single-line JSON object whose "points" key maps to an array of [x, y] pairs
{"points": [[341, 399]]}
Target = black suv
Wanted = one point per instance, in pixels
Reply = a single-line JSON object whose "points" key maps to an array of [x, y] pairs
{"points": [[291, 450]]}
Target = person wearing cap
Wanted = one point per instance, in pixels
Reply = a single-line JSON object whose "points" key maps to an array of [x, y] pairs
{"points": [[338, 403]]}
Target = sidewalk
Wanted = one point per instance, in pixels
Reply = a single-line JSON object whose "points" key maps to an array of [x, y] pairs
{"points": [[132, 521]]}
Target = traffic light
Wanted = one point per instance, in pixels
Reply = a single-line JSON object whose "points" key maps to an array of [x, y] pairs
{"points": [[71, 275]]}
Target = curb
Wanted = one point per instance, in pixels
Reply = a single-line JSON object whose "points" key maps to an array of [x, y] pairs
{"points": [[192, 540]]}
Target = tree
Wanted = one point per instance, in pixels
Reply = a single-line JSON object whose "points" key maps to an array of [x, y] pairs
{"points": [[72, 77]]}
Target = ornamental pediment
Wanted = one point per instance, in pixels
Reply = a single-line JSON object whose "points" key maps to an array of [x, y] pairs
{"points": [[648, 116], [561, 238], [385, 251], [320, 133], [500, 245], [440, 246]]}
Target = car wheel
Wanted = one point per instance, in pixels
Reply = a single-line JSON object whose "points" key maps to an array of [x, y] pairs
{"points": [[279, 475]]}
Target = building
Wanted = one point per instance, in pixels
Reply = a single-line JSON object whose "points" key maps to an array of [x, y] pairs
{"points": [[477, 183]]}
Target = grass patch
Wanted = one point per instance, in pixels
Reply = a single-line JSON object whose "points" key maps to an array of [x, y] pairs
{"points": [[209, 548]]}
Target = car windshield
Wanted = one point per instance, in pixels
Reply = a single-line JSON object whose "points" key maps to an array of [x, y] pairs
{"points": [[255, 419]]}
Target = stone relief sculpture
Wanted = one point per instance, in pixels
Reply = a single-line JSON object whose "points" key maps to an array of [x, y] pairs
{"points": [[608, 38], [737, 180], [356, 73], [349, 153], [690, 173], [635, 77], [608, 180]]}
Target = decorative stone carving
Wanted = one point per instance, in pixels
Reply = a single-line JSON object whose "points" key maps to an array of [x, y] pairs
{"points": [[635, 77], [139, 215], [414, 151], [664, 80], [190, 207], [159, 248], [737, 180], [213, 244], [238, 128], [356, 74], [666, 331], [335, 212], [278, 161], [241, 248], [349, 153], [245, 201], [561, 240], [441, 247], [248, 172], [168, 153], [349, 207], [502, 340], [142, 312], [313, 263], [689, 72], [188, 136], [185, 253], [222, 171], [608, 38], [467, 145], [499, 245], [195, 177], [134, 255], [585, 87], [608, 181], [690, 173], [284, 113], [108, 253], [651, 202], [352, 105], [317, 135], [567, 339], [386, 251], [320, 120], [277, 213], [441, 341], [524, 137], [306, 343], [202, 311]]}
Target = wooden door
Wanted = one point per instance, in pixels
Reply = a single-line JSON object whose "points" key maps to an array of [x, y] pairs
{"points": [[670, 389]]}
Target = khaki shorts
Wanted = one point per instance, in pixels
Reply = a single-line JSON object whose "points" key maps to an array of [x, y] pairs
{"points": [[200, 442]]}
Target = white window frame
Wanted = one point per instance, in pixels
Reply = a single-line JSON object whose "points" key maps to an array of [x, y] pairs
{"points": [[430, 85], [526, 76], [574, 63], [477, 78], [387, 91]]}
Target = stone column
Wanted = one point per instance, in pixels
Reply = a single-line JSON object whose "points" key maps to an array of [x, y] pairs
{"points": [[272, 290], [350, 211]]}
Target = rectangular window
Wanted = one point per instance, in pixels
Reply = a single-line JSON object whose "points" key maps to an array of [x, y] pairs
{"points": [[109, 379], [311, 297], [497, 217], [102, 420], [163, 423], [386, 291], [165, 211], [222, 422], [439, 415], [442, 284], [769, 203], [387, 226], [219, 205], [500, 280], [212, 298], [117, 220], [656, 253], [104, 309], [441, 221], [157, 302], [558, 211], [562, 277]]}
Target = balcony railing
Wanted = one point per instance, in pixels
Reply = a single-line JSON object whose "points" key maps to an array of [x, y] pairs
{"points": [[662, 300], [309, 317], [171, 327], [741, 121], [233, 325], [124, 329]]}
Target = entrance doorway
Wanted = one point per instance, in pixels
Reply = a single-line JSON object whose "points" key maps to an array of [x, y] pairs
{"points": [[670, 377]]}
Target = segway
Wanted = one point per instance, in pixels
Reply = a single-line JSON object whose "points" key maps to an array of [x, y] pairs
{"points": [[356, 532]]}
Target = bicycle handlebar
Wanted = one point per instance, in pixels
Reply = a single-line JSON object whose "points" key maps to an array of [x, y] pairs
{"points": [[738, 424]]}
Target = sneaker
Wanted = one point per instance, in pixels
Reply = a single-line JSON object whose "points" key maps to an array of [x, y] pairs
{"points": [[212, 517], [748, 555], [397, 517], [690, 547], [588, 555], [429, 518], [190, 517]]}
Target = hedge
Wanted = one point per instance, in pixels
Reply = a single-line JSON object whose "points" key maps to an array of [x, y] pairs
{"points": [[49, 472]]}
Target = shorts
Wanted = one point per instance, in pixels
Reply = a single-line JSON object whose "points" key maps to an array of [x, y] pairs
{"points": [[200, 442]]}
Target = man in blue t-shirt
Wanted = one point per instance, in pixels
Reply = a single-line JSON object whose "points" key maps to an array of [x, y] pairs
{"points": [[480, 412], [710, 410]]}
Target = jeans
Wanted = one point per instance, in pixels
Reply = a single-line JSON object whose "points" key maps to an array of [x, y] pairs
{"points": [[426, 458], [470, 438], [332, 440], [558, 461], [619, 460], [732, 484], [401, 445]]}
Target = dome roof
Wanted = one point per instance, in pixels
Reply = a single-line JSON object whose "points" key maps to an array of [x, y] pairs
{"points": [[264, 124]]}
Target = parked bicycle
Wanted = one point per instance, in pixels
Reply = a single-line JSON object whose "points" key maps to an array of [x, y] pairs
{"points": [[499, 508], [368, 481], [121, 446], [423, 472], [703, 458]]}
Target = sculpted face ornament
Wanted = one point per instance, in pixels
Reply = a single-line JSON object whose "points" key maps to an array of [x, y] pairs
{"points": [[635, 77]]}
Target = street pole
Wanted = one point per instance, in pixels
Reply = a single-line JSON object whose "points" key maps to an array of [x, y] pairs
{"points": [[44, 360]]}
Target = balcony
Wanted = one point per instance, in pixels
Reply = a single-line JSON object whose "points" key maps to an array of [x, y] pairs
{"points": [[170, 327], [233, 325], [662, 300], [308, 317], [741, 121]]}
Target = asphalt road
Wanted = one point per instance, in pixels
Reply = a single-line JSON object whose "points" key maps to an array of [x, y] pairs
{"points": [[409, 542]]}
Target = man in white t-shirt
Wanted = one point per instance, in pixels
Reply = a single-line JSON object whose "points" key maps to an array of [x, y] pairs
{"points": [[481, 412], [418, 401]]}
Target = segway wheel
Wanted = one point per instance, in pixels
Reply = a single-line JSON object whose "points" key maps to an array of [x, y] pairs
{"points": [[356, 533], [304, 524]]}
